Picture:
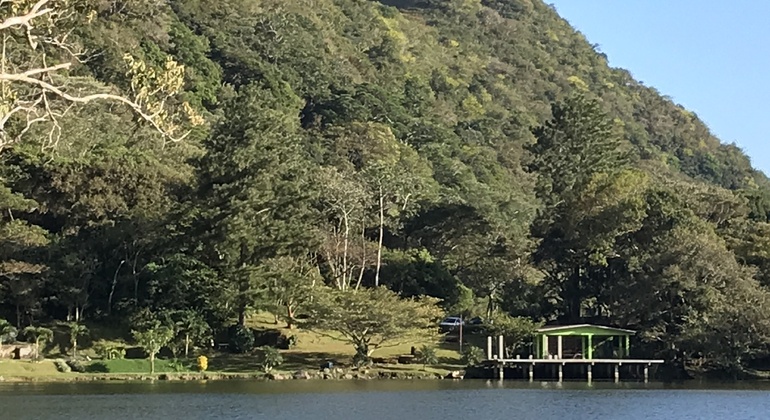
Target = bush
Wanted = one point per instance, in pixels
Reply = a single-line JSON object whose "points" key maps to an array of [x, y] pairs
{"points": [[97, 367], [109, 352], [62, 366], [427, 356], [472, 355], [270, 358], [76, 365], [241, 340]]}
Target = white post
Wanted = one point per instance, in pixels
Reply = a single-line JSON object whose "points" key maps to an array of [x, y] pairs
{"points": [[531, 371], [501, 348], [489, 347], [646, 373], [590, 373], [561, 371], [502, 371], [559, 347], [617, 372]]}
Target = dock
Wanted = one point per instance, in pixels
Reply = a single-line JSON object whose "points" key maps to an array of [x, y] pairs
{"points": [[568, 352]]}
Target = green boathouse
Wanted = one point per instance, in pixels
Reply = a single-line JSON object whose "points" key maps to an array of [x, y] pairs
{"points": [[582, 341]]}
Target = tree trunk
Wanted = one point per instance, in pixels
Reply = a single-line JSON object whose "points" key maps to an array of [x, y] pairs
{"points": [[363, 255], [379, 245], [345, 246], [112, 289], [152, 363], [186, 345], [242, 317], [75, 348], [289, 317]]}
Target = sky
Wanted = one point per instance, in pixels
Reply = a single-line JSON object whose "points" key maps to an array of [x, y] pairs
{"points": [[711, 56]]}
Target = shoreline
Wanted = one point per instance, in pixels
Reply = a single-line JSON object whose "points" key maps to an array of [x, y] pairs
{"points": [[301, 375]]}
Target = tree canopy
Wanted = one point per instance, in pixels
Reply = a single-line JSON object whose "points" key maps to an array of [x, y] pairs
{"points": [[228, 157]]}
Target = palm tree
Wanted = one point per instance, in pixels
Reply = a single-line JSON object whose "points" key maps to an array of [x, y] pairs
{"points": [[41, 335], [6, 330], [76, 330]]}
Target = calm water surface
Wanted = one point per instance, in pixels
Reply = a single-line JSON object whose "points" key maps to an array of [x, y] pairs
{"points": [[402, 400]]}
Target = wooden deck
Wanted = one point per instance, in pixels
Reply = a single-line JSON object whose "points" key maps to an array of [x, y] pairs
{"points": [[554, 369]]}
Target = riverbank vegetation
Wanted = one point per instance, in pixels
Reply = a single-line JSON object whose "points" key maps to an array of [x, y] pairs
{"points": [[357, 169]]}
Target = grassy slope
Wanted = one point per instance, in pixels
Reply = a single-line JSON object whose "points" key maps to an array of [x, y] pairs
{"points": [[312, 349]]}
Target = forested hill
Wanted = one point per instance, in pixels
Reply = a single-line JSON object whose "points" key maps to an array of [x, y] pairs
{"points": [[479, 151]]}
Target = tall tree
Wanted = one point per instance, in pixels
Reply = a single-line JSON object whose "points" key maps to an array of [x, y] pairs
{"points": [[254, 190]]}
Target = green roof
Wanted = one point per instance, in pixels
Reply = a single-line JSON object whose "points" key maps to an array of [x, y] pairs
{"points": [[583, 329]]}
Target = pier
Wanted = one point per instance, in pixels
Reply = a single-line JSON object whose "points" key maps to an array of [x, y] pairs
{"points": [[583, 351]]}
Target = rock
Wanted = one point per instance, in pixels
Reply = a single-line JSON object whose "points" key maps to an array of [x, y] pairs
{"points": [[2, 379], [347, 376], [327, 371], [275, 377], [163, 377], [328, 376], [301, 374]]}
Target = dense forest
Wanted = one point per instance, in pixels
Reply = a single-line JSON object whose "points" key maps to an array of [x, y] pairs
{"points": [[481, 152]]}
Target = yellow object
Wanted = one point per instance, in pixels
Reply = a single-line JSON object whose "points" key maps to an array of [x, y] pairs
{"points": [[203, 363]]}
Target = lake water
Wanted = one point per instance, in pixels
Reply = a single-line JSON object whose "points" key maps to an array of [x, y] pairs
{"points": [[402, 400]]}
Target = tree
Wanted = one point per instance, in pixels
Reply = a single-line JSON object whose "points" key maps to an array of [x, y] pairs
{"points": [[591, 199], [345, 196], [7, 331], [152, 340], [40, 335], [370, 319], [38, 88], [254, 194], [518, 332], [190, 327], [291, 281], [427, 356], [76, 330]]}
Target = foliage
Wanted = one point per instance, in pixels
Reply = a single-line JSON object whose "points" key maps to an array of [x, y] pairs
{"points": [[241, 339], [153, 339], [269, 358], [203, 363], [427, 356], [109, 351], [369, 319], [7, 331], [518, 332], [40, 335], [482, 153], [472, 355], [76, 330]]}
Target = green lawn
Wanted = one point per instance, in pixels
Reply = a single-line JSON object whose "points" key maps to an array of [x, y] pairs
{"points": [[311, 351]]}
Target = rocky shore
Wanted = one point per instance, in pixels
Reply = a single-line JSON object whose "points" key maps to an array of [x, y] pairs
{"points": [[326, 374]]}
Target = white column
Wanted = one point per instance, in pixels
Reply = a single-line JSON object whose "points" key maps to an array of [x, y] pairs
{"points": [[559, 346], [617, 372], [489, 347], [501, 348], [561, 371], [590, 373], [646, 373]]}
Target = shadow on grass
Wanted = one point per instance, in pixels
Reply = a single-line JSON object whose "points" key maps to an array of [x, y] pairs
{"points": [[232, 363], [313, 360]]}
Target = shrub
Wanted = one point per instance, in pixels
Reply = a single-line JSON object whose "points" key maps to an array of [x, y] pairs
{"points": [[97, 367], [241, 340], [472, 355], [109, 352], [76, 365], [270, 358], [427, 356], [62, 366], [203, 363]]}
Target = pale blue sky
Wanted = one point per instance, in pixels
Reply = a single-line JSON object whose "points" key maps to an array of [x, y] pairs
{"points": [[711, 56]]}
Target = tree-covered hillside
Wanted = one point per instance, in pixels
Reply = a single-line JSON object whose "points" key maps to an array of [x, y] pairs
{"points": [[255, 151]]}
